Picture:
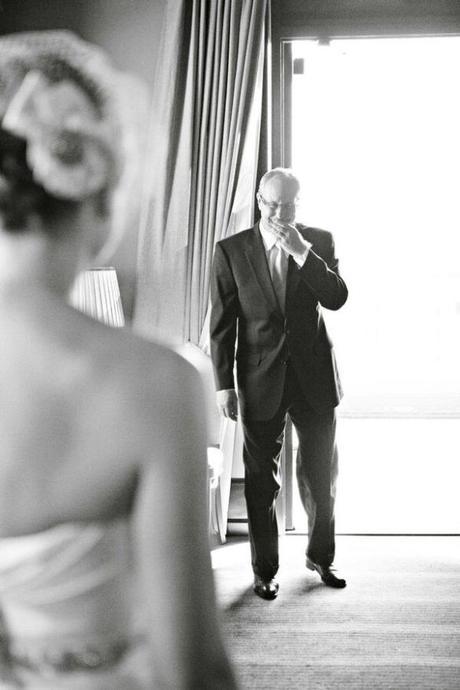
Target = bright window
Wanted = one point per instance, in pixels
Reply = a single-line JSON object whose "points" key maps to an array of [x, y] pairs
{"points": [[376, 143]]}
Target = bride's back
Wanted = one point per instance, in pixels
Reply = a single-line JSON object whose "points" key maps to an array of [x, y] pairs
{"points": [[102, 458], [76, 396], [84, 410]]}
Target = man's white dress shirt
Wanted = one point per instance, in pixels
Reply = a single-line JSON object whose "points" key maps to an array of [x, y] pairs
{"points": [[278, 260]]}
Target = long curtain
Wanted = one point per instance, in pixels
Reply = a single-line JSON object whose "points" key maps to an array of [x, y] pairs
{"points": [[204, 143]]}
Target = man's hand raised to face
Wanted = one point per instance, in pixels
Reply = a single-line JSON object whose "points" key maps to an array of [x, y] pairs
{"points": [[289, 238]]}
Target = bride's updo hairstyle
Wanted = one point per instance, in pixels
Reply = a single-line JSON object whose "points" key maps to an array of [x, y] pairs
{"points": [[61, 135]]}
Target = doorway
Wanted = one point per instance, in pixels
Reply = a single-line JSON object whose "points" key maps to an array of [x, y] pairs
{"points": [[375, 141]]}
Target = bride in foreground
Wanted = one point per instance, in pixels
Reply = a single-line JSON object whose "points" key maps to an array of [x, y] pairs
{"points": [[105, 577]]}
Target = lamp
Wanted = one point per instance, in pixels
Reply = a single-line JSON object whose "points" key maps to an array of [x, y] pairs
{"points": [[97, 294]]}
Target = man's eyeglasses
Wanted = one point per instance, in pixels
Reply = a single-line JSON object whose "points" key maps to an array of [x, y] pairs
{"points": [[274, 206]]}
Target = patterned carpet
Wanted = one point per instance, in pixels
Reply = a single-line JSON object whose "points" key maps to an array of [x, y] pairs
{"points": [[395, 627]]}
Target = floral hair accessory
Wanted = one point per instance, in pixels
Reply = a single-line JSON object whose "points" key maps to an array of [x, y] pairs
{"points": [[69, 147]]}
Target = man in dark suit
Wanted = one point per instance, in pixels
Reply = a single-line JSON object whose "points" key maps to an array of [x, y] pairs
{"points": [[268, 286]]}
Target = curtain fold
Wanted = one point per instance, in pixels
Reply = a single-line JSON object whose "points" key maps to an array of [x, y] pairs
{"points": [[163, 234], [204, 140], [228, 145], [204, 154]]}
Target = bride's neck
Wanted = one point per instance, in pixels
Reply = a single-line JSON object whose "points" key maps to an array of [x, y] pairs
{"points": [[31, 259]]}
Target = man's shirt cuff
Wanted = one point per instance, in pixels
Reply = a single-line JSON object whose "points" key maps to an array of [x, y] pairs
{"points": [[220, 395], [302, 257]]}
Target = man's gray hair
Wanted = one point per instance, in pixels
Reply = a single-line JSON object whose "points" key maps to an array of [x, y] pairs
{"points": [[284, 173]]}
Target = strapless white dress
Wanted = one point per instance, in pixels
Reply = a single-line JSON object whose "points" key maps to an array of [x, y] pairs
{"points": [[68, 618]]}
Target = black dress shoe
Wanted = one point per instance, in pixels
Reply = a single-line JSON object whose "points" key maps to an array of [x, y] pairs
{"points": [[267, 589], [327, 575]]}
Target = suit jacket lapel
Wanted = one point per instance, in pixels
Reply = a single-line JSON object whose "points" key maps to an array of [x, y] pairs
{"points": [[255, 254], [293, 276]]}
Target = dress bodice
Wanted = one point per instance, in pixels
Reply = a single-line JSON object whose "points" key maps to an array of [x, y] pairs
{"points": [[66, 610]]}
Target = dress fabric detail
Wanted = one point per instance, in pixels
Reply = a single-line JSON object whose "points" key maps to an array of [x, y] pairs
{"points": [[67, 614]]}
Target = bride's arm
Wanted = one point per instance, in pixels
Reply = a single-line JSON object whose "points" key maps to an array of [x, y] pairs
{"points": [[170, 527]]}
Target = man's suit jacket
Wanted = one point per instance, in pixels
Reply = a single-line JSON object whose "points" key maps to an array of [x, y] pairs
{"points": [[248, 324]]}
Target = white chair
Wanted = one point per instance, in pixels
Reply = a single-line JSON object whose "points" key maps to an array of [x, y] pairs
{"points": [[202, 362]]}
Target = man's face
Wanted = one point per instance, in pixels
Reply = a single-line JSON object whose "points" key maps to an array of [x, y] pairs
{"points": [[277, 200]]}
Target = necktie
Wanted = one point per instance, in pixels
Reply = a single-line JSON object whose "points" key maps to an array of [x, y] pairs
{"points": [[277, 263]]}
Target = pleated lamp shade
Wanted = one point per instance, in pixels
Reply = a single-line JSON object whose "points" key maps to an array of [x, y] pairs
{"points": [[97, 294]]}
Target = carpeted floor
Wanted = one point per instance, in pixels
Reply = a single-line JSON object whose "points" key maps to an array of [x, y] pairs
{"points": [[395, 627]]}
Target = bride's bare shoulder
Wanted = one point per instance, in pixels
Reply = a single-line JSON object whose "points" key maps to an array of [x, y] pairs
{"points": [[151, 371], [162, 397]]}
